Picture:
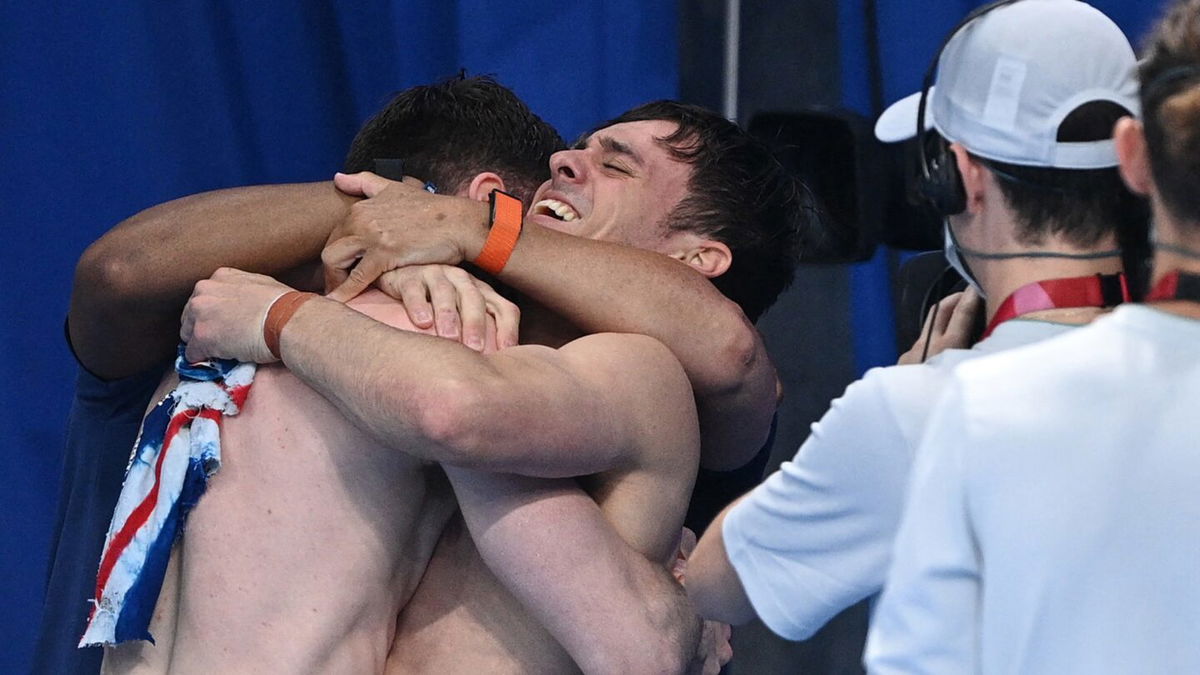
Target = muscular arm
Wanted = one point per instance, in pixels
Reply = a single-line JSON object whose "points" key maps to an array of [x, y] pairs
{"points": [[541, 538], [600, 286], [131, 284], [529, 410], [725, 360]]}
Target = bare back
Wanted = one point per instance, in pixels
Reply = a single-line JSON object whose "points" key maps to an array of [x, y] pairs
{"points": [[309, 539]]}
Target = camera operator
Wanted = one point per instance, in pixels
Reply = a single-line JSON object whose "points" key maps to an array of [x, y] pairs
{"points": [[1053, 520], [1020, 160]]}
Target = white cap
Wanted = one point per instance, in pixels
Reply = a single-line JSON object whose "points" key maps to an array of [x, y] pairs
{"points": [[1008, 79]]}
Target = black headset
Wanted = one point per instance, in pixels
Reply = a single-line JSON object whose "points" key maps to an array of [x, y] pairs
{"points": [[936, 179]]}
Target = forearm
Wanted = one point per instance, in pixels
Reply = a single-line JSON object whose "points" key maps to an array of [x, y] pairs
{"points": [[578, 279], [157, 255], [713, 583], [550, 545], [600, 286], [438, 400], [131, 284]]}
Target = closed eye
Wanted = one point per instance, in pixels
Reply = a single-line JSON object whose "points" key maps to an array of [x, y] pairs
{"points": [[618, 168]]}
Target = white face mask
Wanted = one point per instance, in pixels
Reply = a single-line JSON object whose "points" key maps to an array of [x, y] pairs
{"points": [[953, 256]]}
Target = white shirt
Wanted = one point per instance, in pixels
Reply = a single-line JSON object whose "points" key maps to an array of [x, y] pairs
{"points": [[1054, 518], [816, 536]]}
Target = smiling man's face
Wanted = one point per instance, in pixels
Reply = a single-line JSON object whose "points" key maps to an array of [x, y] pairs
{"points": [[618, 186]]}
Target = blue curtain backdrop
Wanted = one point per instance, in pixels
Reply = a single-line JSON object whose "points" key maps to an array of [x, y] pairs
{"points": [[109, 108]]}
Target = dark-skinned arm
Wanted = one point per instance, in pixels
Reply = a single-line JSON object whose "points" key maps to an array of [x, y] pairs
{"points": [[131, 284]]}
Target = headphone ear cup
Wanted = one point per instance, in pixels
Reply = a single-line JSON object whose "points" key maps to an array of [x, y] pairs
{"points": [[940, 183]]}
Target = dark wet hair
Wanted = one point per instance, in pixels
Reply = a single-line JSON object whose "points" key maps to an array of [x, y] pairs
{"points": [[738, 194], [453, 130]]}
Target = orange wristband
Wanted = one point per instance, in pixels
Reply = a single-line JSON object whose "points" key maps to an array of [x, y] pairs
{"points": [[279, 313], [502, 237]]}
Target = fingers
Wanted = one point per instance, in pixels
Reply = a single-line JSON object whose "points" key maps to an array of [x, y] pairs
{"points": [[945, 312], [407, 286], [361, 277], [444, 298], [187, 323], [937, 322], [337, 259], [958, 331], [926, 327], [506, 314], [687, 542], [471, 307], [361, 184], [192, 354], [917, 351]]}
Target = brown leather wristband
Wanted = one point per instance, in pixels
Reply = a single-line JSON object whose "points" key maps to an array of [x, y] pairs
{"points": [[506, 218], [280, 313]]}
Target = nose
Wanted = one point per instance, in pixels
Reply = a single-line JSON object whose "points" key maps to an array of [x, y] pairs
{"points": [[568, 165]]}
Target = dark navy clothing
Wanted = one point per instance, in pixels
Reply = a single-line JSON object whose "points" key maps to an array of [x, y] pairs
{"points": [[716, 489], [101, 430]]}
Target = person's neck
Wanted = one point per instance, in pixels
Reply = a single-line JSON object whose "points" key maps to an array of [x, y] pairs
{"points": [[1001, 278], [1166, 262]]}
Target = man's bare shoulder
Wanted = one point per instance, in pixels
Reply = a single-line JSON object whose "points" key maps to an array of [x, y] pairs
{"points": [[622, 350], [648, 384]]}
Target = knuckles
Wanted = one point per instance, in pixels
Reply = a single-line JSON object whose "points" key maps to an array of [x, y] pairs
{"points": [[456, 274]]}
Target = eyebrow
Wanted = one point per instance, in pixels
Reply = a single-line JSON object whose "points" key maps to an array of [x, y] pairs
{"points": [[610, 144]]}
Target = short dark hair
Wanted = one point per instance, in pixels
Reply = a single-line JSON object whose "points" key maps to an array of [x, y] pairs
{"points": [[1081, 205], [452, 130], [739, 194], [1170, 75]]}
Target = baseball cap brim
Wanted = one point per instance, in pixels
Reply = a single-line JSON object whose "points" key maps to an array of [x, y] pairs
{"points": [[899, 121]]}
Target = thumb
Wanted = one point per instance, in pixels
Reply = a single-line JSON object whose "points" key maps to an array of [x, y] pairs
{"points": [[360, 278], [362, 184], [687, 543], [193, 354], [964, 314]]}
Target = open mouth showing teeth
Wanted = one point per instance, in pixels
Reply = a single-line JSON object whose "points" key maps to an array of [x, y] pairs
{"points": [[555, 209]]}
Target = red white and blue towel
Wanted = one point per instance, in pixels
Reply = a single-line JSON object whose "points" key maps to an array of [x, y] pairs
{"points": [[177, 450]]}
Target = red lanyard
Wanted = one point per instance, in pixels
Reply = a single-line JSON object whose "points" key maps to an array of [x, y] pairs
{"points": [[1176, 286], [1100, 290]]}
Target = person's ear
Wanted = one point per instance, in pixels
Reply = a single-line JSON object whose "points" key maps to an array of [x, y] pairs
{"points": [[1129, 136], [707, 256], [482, 185], [974, 177]]}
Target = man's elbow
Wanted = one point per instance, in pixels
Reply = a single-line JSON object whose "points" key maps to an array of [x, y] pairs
{"points": [[668, 651], [738, 354], [452, 417], [106, 275]]}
